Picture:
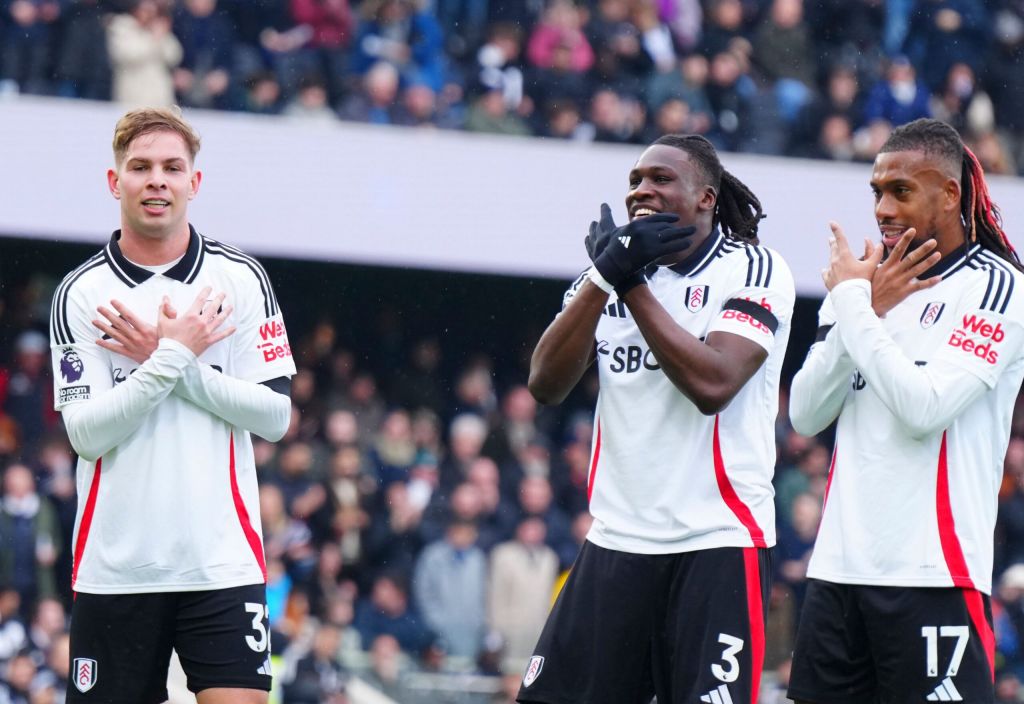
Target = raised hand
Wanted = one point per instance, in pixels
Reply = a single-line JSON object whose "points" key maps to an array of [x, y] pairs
{"points": [[130, 336], [600, 233], [896, 277], [199, 327], [630, 248], [843, 265]]}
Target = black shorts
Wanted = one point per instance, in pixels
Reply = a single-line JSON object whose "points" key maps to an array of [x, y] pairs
{"points": [[893, 645], [121, 643], [687, 627]]}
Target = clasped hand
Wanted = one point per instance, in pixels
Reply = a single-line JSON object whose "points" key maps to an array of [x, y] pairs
{"points": [[199, 328], [621, 253], [892, 280]]}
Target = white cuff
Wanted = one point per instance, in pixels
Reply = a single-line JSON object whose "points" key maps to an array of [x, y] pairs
{"points": [[599, 281]]}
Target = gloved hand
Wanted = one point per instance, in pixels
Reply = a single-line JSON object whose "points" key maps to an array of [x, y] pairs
{"points": [[621, 253]]}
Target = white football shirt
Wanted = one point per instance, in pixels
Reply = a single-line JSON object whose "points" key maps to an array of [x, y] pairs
{"points": [[664, 478], [173, 507], [924, 398]]}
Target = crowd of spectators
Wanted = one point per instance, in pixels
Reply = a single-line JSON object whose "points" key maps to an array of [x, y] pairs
{"points": [[417, 518], [749, 74]]}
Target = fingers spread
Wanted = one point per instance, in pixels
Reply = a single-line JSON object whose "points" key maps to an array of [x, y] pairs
{"points": [[901, 246], [837, 235], [875, 258], [197, 305], [126, 313]]}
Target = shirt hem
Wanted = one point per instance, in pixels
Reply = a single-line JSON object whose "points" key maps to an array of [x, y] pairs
{"points": [[668, 548], [161, 588], [893, 581]]}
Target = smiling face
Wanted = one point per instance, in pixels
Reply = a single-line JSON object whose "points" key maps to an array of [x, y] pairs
{"points": [[154, 181], [915, 189], [666, 180]]}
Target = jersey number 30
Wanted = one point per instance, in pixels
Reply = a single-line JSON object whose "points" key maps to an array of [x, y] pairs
{"points": [[259, 612]]}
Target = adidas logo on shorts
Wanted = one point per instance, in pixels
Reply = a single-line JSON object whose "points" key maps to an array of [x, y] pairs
{"points": [[945, 692], [720, 695]]}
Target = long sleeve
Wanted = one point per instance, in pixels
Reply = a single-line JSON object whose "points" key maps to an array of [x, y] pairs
{"points": [[820, 387], [101, 423], [244, 404], [925, 398]]}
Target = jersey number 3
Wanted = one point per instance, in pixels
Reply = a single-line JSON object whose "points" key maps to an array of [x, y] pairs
{"points": [[259, 612], [731, 671]]}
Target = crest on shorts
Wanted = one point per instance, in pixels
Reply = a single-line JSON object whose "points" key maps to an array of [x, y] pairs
{"points": [[931, 314], [696, 298], [533, 670], [84, 670]]}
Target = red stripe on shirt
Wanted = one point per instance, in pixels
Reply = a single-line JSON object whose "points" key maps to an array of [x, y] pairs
{"points": [[951, 549], [593, 462], [755, 613], [976, 608], [828, 484], [243, 516], [740, 509], [86, 524]]}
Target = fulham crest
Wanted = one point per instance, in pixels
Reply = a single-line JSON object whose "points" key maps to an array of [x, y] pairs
{"points": [[696, 298], [84, 674], [931, 314], [533, 670]]}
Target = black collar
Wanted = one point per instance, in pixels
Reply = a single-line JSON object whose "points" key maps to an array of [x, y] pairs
{"points": [[133, 275], [697, 258], [952, 262]]}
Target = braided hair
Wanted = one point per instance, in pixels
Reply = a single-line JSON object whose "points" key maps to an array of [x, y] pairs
{"points": [[981, 219], [737, 210]]}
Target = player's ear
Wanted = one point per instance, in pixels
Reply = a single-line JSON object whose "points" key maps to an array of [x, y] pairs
{"points": [[197, 178], [113, 183], [951, 195], [708, 198]]}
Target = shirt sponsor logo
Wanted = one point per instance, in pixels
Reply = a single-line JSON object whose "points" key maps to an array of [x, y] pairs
{"points": [[696, 298], [533, 670], [84, 671], [274, 345], [74, 393], [71, 365], [931, 314], [629, 359], [740, 317], [973, 324]]}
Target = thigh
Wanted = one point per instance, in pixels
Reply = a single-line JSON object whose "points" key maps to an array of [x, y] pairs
{"points": [[120, 648], [595, 646], [709, 641], [931, 644], [832, 660], [223, 638]]}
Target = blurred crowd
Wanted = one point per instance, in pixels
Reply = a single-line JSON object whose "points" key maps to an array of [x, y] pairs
{"points": [[817, 78], [418, 518]]}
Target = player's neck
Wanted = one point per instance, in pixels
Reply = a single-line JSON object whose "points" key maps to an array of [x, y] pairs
{"points": [[950, 239], [153, 251]]}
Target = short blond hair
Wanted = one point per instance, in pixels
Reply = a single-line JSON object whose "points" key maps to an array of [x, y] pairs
{"points": [[136, 123]]}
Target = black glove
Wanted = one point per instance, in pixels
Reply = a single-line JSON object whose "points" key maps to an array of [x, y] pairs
{"points": [[621, 253]]}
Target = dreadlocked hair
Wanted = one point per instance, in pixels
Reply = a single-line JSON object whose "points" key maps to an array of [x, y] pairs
{"points": [[737, 210], [981, 218]]}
